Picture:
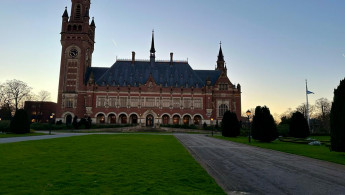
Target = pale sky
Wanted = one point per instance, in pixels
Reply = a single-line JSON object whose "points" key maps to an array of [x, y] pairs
{"points": [[270, 47]]}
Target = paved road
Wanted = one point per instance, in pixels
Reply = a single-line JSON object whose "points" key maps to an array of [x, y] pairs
{"points": [[39, 137], [242, 169]]}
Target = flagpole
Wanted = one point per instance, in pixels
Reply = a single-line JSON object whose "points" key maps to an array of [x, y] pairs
{"points": [[306, 94]]}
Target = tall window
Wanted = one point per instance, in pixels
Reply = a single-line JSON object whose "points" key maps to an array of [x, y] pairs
{"points": [[176, 102], [78, 12], [222, 109], [134, 102], [197, 103], [186, 103], [101, 102], [112, 102], [123, 102], [69, 102], [150, 102]]}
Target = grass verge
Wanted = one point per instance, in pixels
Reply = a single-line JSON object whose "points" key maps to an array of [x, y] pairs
{"points": [[317, 152], [102, 164]]}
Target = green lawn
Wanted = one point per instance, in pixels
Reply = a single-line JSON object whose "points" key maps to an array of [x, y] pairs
{"points": [[102, 164], [20, 135], [317, 152]]}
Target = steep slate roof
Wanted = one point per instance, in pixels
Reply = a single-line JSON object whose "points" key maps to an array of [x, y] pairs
{"points": [[178, 74], [208, 74]]}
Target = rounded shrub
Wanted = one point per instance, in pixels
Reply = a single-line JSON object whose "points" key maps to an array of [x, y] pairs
{"points": [[263, 127], [337, 119], [20, 123], [298, 126], [230, 125]]}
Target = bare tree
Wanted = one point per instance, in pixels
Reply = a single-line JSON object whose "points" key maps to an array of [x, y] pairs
{"points": [[43, 96], [2, 94], [16, 91], [323, 106], [303, 109]]}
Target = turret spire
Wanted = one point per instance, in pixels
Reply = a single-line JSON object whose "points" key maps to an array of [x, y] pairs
{"points": [[65, 14], [93, 22]]}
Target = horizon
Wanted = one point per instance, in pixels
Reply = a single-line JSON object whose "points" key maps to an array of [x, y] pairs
{"points": [[270, 48]]}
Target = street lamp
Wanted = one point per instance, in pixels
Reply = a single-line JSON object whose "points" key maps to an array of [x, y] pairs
{"points": [[248, 113], [50, 122], [140, 118], [212, 125]]}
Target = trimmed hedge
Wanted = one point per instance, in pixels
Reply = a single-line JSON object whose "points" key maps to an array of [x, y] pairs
{"points": [[20, 123], [337, 118], [298, 126], [230, 125]]}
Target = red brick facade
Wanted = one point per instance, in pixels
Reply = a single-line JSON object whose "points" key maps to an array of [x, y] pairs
{"points": [[146, 92]]}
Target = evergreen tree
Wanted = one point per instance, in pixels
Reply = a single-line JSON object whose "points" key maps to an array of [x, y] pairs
{"points": [[230, 125], [20, 123], [337, 118], [298, 126], [263, 126]]}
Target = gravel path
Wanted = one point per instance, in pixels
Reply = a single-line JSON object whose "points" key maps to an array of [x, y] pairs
{"points": [[38, 137], [243, 169]]}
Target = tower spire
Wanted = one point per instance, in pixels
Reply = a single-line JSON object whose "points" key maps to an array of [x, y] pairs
{"points": [[220, 55], [220, 61], [152, 50]]}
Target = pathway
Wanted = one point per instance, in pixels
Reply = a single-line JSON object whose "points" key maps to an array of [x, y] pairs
{"points": [[243, 169]]}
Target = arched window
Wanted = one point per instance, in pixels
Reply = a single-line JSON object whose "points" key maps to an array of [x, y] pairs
{"points": [[77, 12], [80, 28], [222, 109]]}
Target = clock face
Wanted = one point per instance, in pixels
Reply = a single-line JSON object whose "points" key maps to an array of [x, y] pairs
{"points": [[73, 53]]}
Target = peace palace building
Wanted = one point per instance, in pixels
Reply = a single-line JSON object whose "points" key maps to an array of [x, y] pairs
{"points": [[147, 92]]}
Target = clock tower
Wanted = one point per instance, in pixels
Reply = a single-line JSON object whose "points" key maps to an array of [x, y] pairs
{"points": [[77, 41]]}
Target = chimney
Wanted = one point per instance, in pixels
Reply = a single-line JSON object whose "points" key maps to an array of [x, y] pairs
{"points": [[171, 58], [133, 57]]}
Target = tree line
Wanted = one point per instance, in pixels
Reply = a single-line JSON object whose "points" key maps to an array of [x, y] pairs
{"points": [[14, 93], [264, 128]]}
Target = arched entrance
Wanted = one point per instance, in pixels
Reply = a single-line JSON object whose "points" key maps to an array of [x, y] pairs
{"points": [[133, 119], [176, 120], [123, 119], [112, 118], [149, 120], [165, 119], [186, 120], [101, 118], [197, 120], [68, 119]]}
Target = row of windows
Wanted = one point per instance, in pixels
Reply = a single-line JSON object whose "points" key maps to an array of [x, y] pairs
{"points": [[148, 102]]}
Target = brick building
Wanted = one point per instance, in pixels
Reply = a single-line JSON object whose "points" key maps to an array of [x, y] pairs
{"points": [[148, 92], [39, 111]]}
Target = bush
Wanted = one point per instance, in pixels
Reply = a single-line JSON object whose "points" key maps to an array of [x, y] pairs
{"points": [[5, 125], [263, 127], [20, 123], [337, 119], [230, 125], [283, 130], [298, 126]]}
